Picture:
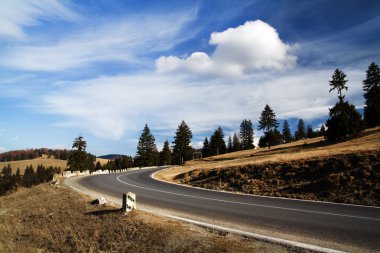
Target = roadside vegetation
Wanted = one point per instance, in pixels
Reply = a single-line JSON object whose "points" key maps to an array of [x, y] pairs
{"points": [[55, 219]]}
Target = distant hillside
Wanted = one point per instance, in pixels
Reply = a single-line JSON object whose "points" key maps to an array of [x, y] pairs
{"points": [[110, 156], [27, 154], [44, 161]]}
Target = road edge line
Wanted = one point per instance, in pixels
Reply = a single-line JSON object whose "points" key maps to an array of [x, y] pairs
{"points": [[264, 238]]}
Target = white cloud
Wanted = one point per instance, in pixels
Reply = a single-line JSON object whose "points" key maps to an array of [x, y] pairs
{"points": [[2, 149], [124, 40], [253, 46], [16, 14], [118, 107]]}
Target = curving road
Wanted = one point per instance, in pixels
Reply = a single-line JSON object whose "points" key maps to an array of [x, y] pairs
{"points": [[338, 226]]}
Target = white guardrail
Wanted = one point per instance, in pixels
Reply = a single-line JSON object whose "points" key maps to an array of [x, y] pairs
{"points": [[68, 174]]}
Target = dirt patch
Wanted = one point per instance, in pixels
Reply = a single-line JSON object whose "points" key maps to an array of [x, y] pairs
{"points": [[351, 178], [55, 219]]}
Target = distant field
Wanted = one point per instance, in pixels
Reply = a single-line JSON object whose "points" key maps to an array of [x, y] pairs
{"points": [[46, 162]]}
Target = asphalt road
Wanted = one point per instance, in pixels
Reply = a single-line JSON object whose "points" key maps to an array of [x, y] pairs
{"points": [[324, 224]]}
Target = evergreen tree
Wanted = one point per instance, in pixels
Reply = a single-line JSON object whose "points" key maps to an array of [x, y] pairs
{"points": [[206, 148], [29, 178], [270, 138], [322, 131], [267, 120], [78, 159], [40, 174], [344, 120], [338, 82], [182, 151], [98, 166], [146, 154], [309, 132], [236, 145], [371, 87], [166, 154], [18, 178], [269, 124], [217, 144], [246, 134], [286, 134], [301, 132], [229, 145]]}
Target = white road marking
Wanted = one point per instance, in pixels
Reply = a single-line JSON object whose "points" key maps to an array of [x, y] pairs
{"points": [[258, 236], [248, 204]]}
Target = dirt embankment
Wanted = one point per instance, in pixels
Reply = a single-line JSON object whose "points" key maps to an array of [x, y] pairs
{"points": [[55, 219], [350, 178]]}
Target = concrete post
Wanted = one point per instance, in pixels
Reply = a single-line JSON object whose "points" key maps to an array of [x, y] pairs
{"points": [[129, 202]]}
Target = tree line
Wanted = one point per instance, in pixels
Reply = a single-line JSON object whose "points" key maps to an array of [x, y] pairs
{"points": [[28, 154], [344, 121], [10, 182]]}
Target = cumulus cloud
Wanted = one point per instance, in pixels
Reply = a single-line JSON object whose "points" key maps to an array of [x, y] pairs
{"points": [[253, 46], [16, 14]]}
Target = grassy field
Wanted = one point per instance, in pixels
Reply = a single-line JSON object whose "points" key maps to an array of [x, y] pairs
{"points": [[368, 141], [55, 219], [46, 162], [346, 172]]}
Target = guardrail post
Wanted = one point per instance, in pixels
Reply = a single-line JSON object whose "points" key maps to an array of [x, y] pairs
{"points": [[129, 202]]}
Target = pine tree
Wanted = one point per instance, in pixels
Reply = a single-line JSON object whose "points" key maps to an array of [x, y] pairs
{"points": [[78, 159], [229, 145], [206, 148], [344, 120], [29, 178], [322, 131], [267, 120], [146, 154], [166, 154], [309, 132], [371, 87], [338, 82], [98, 166], [269, 124], [301, 132], [217, 144], [40, 174], [246, 134], [18, 176], [236, 145], [286, 134], [182, 151]]}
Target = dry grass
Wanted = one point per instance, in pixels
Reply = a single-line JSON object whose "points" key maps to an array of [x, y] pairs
{"points": [[348, 178], [44, 161], [54, 219], [368, 141]]}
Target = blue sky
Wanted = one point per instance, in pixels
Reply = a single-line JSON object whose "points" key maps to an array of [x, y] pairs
{"points": [[105, 68]]}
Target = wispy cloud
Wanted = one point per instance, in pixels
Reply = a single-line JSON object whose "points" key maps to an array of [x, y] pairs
{"points": [[127, 40], [15, 15], [110, 107]]}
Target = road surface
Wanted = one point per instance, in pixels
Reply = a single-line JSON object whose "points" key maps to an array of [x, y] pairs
{"points": [[338, 226]]}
